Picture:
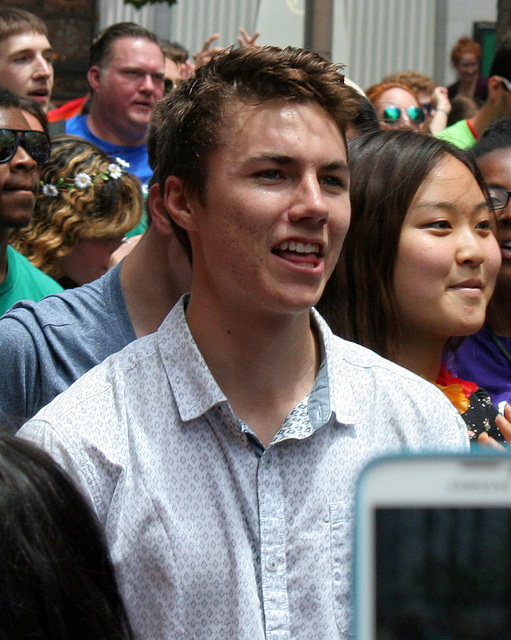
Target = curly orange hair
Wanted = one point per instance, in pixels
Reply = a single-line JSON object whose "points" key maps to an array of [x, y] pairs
{"points": [[375, 92], [464, 45]]}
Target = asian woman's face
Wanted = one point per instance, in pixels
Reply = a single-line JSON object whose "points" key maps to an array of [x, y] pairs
{"points": [[448, 258]]}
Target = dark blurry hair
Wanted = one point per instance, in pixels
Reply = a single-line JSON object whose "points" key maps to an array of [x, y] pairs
{"points": [[501, 65], [365, 121], [9, 99], [192, 120], [56, 578], [386, 168], [462, 107], [174, 51], [496, 136]]}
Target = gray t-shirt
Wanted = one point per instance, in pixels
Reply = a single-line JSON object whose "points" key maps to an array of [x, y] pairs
{"points": [[46, 346]]}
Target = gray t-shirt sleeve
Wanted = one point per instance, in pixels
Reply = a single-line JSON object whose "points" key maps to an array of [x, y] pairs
{"points": [[46, 346], [20, 373]]}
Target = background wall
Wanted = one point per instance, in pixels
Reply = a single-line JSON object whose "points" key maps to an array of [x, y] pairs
{"points": [[372, 37]]}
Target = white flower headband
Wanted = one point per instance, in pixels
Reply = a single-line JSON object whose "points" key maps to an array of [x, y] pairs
{"points": [[84, 180]]}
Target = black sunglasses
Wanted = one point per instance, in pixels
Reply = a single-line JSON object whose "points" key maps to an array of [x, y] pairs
{"points": [[36, 143]]}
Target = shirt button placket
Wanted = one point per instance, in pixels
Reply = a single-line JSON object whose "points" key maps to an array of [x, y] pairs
{"points": [[273, 556]]}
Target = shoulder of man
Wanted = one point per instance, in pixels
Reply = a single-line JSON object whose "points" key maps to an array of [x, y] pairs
{"points": [[46, 346]]}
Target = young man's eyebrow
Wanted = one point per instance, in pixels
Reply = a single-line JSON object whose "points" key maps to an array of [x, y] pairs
{"points": [[284, 160], [31, 50]]}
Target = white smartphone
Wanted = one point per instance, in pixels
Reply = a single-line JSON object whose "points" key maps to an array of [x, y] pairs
{"points": [[433, 548]]}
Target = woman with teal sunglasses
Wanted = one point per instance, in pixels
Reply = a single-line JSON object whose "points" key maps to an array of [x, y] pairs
{"points": [[397, 106]]}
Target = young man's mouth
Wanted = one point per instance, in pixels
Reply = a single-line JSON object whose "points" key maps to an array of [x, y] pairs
{"points": [[306, 254]]}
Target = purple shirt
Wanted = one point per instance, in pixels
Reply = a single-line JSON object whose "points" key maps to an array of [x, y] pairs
{"points": [[481, 360]]}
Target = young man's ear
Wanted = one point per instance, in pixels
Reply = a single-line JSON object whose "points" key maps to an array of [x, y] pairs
{"points": [[159, 215], [93, 77], [178, 203]]}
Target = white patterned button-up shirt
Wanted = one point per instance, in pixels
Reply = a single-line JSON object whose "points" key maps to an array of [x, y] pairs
{"points": [[212, 535]]}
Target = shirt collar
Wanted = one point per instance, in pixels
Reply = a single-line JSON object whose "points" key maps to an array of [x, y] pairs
{"points": [[196, 391]]}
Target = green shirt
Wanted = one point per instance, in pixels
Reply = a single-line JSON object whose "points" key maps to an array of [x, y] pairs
{"points": [[24, 282], [459, 135]]}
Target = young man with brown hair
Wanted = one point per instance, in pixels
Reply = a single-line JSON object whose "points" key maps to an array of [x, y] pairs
{"points": [[221, 452]]}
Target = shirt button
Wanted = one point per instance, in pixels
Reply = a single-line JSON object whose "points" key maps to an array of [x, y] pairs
{"points": [[267, 462], [272, 564]]}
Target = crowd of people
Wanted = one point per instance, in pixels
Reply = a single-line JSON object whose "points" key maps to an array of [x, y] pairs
{"points": [[227, 284]]}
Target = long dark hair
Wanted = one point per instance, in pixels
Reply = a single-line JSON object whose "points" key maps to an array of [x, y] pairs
{"points": [[387, 168], [56, 578]]}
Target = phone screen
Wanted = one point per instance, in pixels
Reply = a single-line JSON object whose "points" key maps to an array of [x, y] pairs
{"points": [[443, 573]]}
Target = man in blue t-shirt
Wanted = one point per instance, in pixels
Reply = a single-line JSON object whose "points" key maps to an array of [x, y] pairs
{"points": [[126, 79]]}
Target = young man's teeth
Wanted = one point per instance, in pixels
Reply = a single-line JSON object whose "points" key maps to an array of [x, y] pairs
{"points": [[300, 247]]}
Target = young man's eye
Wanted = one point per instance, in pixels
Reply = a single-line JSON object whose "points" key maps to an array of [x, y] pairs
{"points": [[269, 174], [334, 181]]}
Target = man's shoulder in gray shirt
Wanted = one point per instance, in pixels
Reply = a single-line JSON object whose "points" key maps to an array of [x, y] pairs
{"points": [[46, 346]]}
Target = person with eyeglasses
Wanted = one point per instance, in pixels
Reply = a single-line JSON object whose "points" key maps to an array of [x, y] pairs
{"points": [[22, 151], [465, 133], [126, 79], [486, 356], [397, 106]]}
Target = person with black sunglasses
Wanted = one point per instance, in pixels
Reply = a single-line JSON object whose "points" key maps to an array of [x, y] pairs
{"points": [[21, 152]]}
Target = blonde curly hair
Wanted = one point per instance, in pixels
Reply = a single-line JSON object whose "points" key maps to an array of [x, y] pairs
{"points": [[64, 213]]}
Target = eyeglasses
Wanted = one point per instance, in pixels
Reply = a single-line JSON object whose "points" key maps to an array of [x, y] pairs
{"points": [[499, 198], [36, 143], [428, 107], [505, 82], [393, 114]]}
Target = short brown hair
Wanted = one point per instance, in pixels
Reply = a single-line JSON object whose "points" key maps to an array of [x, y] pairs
{"points": [[101, 47], [14, 21], [187, 124]]}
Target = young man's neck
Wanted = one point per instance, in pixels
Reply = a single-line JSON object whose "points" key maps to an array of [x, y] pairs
{"points": [[153, 278], [265, 367]]}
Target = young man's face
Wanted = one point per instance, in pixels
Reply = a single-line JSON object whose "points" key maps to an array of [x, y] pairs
{"points": [[18, 178], [496, 170], [275, 210], [129, 86], [26, 66]]}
